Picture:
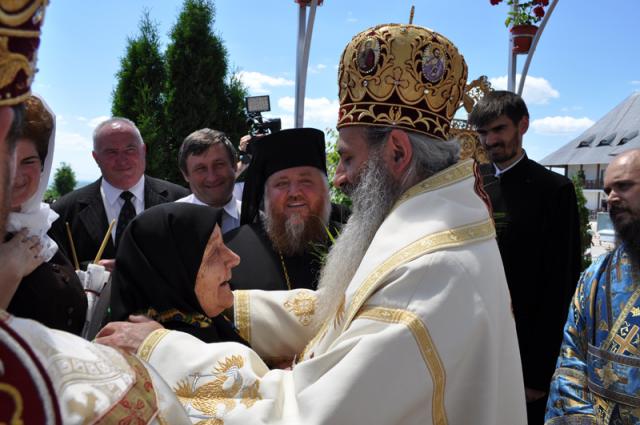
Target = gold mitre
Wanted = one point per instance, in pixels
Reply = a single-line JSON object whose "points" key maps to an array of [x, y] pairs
{"points": [[20, 22], [403, 76]]}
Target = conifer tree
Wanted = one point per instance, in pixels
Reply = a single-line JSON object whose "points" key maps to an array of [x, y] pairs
{"points": [[583, 213], [139, 94], [199, 91]]}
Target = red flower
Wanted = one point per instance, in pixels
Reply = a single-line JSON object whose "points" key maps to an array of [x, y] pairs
{"points": [[494, 2], [544, 2], [538, 11]]}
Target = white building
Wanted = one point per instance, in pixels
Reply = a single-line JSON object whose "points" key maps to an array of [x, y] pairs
{"points": [[592, 151]]}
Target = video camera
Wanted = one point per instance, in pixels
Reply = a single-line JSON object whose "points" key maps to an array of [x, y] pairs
{"points": [[255, 106]]}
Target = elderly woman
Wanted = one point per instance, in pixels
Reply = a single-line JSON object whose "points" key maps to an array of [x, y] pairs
{"points": [[174, 268], [47, 288]]}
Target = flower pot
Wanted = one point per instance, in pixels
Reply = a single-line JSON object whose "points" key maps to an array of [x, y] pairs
{"points": [[522, 36]]}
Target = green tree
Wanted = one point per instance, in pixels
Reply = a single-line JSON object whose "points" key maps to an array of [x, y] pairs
{"points": [[337, 196], [199, 91], [64, 181], [139, 94], [583, 213]]}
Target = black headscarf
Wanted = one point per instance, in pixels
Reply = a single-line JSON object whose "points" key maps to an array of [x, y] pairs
{"points": [[156, 267], [284, 149]]}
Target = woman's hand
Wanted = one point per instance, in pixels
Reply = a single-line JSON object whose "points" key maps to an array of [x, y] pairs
{"points": [[18, 258]]}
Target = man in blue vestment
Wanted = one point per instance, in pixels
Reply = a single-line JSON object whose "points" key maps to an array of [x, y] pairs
{"points": [[597, 378]]}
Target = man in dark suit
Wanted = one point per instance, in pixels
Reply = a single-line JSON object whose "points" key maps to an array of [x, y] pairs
{"points": [[120, 194], [536, 217]]}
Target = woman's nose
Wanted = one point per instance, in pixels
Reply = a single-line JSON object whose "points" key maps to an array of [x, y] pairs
{"points": [[232, 258]]}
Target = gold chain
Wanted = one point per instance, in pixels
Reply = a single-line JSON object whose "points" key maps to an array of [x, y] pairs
{"points": [[284, 268]]}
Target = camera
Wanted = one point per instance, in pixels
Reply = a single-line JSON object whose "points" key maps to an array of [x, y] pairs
{"points": [[256, 105]]}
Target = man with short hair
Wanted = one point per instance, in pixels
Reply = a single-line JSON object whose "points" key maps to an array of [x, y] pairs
{"points": [[282, 246], [596, 377], [536, 216], [207, 160], [120, 194], [411, 323]]}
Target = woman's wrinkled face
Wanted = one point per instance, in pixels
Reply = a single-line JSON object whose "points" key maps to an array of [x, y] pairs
{"points": [[212, 282], [27, 173]]}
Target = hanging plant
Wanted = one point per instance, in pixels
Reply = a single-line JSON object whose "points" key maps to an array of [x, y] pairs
{"points": [[526, 12]]}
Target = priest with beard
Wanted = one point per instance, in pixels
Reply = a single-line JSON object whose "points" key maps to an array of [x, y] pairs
{"points": [[597, 377], [411, 322], [282, 247]]}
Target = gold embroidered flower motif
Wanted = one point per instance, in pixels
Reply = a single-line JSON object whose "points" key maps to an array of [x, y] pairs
{"points": [[303, 305], [217, 397]]}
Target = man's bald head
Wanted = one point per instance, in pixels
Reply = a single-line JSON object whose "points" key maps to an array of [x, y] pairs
{"points": [[628, 157], [622, 186]]}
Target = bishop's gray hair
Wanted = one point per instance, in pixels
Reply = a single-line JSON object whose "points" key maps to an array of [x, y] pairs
{"points": [[429, 155]]}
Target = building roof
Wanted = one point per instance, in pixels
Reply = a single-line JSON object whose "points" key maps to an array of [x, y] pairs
{"points": [[616, 132]]}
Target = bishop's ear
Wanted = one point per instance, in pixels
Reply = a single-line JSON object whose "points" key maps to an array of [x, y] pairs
{"points": [[399, 152]]}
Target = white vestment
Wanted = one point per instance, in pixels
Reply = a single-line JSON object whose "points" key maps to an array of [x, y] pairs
{"points": [[92, 383], [425, 333]]}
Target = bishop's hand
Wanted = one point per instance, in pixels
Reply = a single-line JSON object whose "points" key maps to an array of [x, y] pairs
{"points": [[127, 336]]}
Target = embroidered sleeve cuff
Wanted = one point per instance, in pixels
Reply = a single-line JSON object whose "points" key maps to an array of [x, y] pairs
{"points": [[150, 342], [242, 314]]}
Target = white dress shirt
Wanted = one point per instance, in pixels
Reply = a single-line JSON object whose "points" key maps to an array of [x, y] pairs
{"points": [[113, 202], [230, 214]]}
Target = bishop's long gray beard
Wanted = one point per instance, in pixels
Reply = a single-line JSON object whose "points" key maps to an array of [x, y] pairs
{"points": [[372, 199]]}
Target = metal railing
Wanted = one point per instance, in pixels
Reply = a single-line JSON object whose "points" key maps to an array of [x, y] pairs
{"points": [[594, 184]]}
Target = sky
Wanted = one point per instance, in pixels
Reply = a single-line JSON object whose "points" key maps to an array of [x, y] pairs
{"points": [[587, 60]]}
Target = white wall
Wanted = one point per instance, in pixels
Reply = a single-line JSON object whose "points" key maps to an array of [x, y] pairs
{"points": [[592, 198]]}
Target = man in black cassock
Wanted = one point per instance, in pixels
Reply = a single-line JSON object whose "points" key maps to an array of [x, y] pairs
{"points": [[536, 216], [282, 246]]}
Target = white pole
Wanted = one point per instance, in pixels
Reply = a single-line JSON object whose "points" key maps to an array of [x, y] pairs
{"points": [[304, 63], [513, 61], [534, 43], [302, 22]]}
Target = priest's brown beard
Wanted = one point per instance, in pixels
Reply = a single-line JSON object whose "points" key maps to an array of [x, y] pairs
{"points": [[292, 236]]}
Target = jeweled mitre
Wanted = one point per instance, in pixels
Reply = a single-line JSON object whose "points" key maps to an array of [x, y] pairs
{"points": [[20, 22], [404, 76]]}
